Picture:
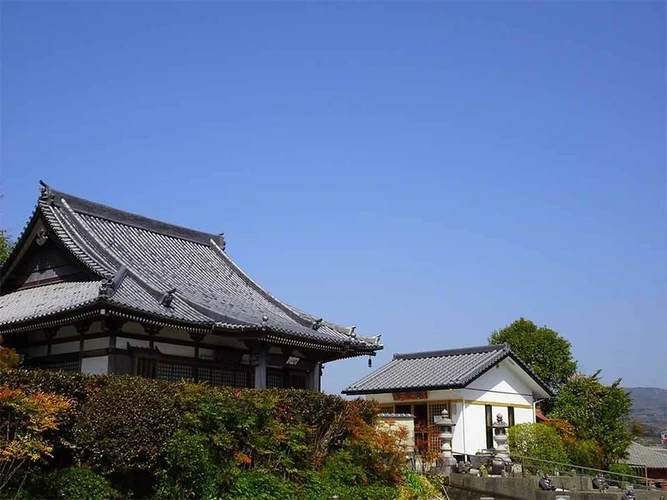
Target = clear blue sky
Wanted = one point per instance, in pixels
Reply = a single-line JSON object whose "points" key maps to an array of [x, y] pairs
{"points": [[431, 171]]}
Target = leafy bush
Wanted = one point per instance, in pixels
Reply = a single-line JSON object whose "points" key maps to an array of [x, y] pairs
{"points": [[76, 482], [538, 441], [189, 471], [619, 472], [259, 484], [24, 420], [416, 487], [125, 424]]}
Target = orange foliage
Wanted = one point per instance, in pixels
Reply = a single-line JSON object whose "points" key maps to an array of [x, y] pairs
{"points": [[9, 358], [24, 418]]}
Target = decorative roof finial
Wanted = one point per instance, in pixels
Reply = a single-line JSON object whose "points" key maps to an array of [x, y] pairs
{"points": [[316, 324], [265, 320], [223, 242], [45, 191], [167, 298]]}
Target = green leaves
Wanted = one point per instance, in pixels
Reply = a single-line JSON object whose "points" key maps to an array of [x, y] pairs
{"points": [[537, 441], [598, 412], [542, 349]]}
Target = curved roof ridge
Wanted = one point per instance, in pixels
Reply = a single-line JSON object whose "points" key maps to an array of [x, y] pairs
{"points": [[152, 288], [84, 246], [148, 283], [135, 220], [258, 288]]}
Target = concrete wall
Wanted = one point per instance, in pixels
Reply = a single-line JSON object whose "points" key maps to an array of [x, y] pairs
{"points": [[466, 487]]}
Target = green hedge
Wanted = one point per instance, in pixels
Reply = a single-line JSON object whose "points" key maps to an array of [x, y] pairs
{"points": [[131, 437]]}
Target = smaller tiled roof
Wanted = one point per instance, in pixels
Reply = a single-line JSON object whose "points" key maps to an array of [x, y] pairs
{"points": [[46, 300], [432, 370], [646, 456]]}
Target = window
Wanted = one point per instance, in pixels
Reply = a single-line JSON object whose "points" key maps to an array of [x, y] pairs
{"points": [[510, 415], [146, 367], [173, 371], [386, 409], [275, 380], [67, 366], [434, 435], [489, 426]]}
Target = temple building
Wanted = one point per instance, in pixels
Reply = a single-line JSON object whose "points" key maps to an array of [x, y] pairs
{"points": [[474, 385], [94, 289]]}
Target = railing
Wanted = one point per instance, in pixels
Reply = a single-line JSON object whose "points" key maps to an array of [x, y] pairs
{"points": [[536, 465]]}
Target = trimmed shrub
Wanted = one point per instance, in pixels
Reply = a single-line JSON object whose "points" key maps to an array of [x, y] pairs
{"points": [[538, 441], [125, 424], [75, 482], [189, 471]]}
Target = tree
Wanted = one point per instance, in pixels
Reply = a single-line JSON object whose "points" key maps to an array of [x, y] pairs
{"points": [[25, 420], [598, 412], [538, 441], [542, 349], [9, 358], [5, 246]]}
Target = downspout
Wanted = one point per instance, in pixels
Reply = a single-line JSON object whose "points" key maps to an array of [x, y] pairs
{"points": [[535, 401], [463, 410]]}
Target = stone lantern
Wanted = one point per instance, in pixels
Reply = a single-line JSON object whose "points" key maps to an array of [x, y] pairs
{"points": [[501, 458], [446, 426]]}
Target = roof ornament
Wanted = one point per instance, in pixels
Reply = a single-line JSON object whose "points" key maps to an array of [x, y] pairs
{"points": [[370, 361], [42, 236], [317, 324], [351, 332], [265, 320], [375, 339], [109, 286], [45, 191], [167, 298], [223, 242], [106, 288]]}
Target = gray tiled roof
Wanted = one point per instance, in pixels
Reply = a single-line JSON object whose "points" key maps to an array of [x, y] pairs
{"points": [[447, 369], [156, 257], [646, 456], [46, 300]]}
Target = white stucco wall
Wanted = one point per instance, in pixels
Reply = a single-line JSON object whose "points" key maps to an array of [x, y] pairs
{"points": [[65, 347], [502, 386], [98, 365]]}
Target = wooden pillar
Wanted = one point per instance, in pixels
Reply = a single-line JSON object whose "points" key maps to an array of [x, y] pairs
{"points": [[197, 337], [81, 329], [259, 363], [50, 333], [315, 377]]}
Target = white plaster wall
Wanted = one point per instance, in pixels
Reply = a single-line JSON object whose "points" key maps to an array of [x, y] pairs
{"points": [[499, 385], [523, 416], [474, 421], [97, 365], [65, 347], [90, 344], [175, 350]]}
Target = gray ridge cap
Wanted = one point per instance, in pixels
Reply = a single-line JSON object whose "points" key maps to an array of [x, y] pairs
{"points": [[452, 352], [131, 219]]}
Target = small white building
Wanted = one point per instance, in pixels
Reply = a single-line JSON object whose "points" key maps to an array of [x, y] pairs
{"points": [[474, 384]]}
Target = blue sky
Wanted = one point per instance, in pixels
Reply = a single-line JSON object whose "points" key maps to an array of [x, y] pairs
{"points": [[431, 171]]}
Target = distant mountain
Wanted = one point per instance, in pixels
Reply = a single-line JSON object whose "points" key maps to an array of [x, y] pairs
{"points": [[649, 407]]}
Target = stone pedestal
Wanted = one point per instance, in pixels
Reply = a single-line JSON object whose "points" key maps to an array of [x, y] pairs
{"points": [[446, 426], [501, 459]]}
